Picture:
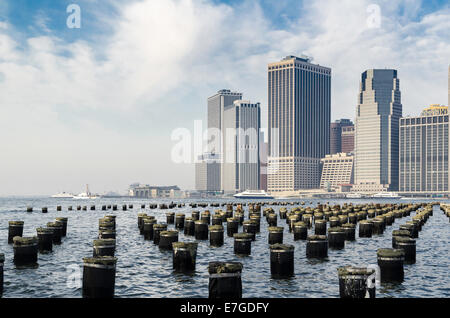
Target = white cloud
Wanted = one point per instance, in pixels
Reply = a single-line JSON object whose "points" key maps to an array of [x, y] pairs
{"points": [[160, 63]]}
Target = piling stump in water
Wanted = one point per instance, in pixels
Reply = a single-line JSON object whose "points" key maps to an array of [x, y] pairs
{"points": [[179, 221], [2, 261], [147, 228], [78, 207], [336, 237], [201, 230], [232, 226], [391, 262], [275, 234], [272, 219], [396, 233], [300, 231], [170, 217], [25, 250], [225, 280], [242, 243], [44, 210], [45, 239], [157, 229], [99, 275], [114, 207], [365, 228], [216, 235], [104, 247], [140, 222], [166, 238], [349, 229], [411, 228], [29, 209], [216, 220], [408, 245], [250, 226], [15, 229], [107, 234], [195, 215], [92, 207], [281, 260], [354, 282], [57, 228], [58, 208], [378, 226], [184, 256], [189, 226], [320, 227], [206, 217], [317, 246], [63, 220], [70, 208], [84, 208]]}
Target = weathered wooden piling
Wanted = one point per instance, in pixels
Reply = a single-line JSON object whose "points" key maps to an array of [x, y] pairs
{"points": [[349, 229], [250, 226], [58, 208], [320, 227], [107, 234], [15, 228], [45, 239], [365, 228], [195, 215], [232, 226], [57, 228], [242, 243], [147, 228], [391, 262], [201, 230], [157, 229], [99, 275], [281, 260], [179, 221], [275, 235], [2, 262], [356, 283], [336, 237], [300, 231], [44, 210], [184, 256], [317, 246], [64, 221], [29, 209], [104, 247], [216, 235], [166, 238], [170, 217], [408, 245], [189, 226], [225, 280], [396, 233], [25, 250]]}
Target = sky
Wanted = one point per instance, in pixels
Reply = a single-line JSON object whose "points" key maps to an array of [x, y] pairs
{"points": [[99, 104]]}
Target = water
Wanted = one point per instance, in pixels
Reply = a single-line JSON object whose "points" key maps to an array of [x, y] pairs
{"points": [[144, 271]]}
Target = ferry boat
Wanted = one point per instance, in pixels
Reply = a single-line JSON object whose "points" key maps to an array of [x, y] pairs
{"points": [[253, 194], [63, 195], [354, 196], [386, 195], [85, 195]]}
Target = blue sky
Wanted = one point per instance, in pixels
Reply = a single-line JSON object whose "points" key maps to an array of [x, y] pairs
{"points": [[104, 99]]}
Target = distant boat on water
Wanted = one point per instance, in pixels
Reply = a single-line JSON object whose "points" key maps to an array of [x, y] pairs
{"points": [[253, 194], [354, 196], [85, 195], [386, 195], [63, 195]]}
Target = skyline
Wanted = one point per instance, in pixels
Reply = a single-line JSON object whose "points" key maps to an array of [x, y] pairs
{"points": [[75, 113]]}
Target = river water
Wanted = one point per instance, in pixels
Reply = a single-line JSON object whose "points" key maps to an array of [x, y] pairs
{"points": [[144, 271]]}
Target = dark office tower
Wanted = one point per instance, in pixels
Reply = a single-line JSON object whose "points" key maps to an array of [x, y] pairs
{"points": [[377, 131], [336, 134], [299, 95], [348, 139]]}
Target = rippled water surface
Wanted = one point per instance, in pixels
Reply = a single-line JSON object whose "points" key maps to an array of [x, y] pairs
{"points": [[144, 271]]}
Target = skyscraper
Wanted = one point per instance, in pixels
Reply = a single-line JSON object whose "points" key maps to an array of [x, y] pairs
{"points": [[241, 125], [348, 139], [336, 134], [299, 123], [424, 152], [377, 131]]}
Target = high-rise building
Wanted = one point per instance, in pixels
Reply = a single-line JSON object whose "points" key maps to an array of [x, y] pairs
{"points": [[241, 127], [337, 170], [424, 152], [263, 154], [299, 123], [207, 173], [377, 131], [336, 134], [348, 139]]}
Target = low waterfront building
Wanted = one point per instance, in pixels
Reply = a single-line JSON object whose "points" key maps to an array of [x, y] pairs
{"points": [[208, 173], [424, 152], [148, 191], [337, 169]]}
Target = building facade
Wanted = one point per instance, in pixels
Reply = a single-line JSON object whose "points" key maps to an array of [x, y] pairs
{"points": [[263, 152], [146, 191], [336, 129], [424, 152], [207, 173], [299, 107], [240, 166], [377, 131], [348, 139], [337, 170]]}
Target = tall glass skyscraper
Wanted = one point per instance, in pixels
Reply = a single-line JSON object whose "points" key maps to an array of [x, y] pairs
{"points": [[299, 102], [377, 131]]}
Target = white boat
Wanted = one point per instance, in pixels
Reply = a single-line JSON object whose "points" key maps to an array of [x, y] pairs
{"points": [[354, 196], [253, 194], [63, 195], [85, 195], [386, 195]]}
